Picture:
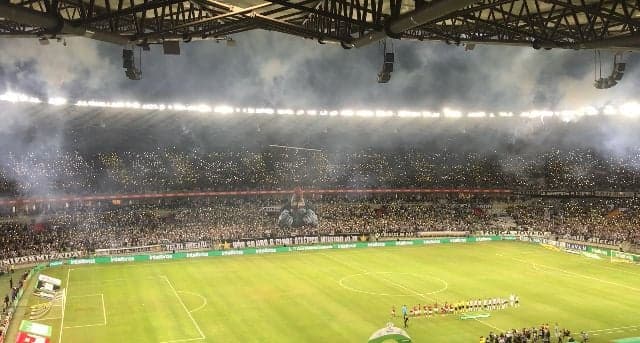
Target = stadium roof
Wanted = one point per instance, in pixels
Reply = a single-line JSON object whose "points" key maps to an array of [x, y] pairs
{"points": [[585, 24]]}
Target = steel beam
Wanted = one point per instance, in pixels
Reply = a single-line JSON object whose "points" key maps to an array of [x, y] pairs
{"points": [[238, 11], [55, 24], [627, 42], [414, 19], [320, 12]]}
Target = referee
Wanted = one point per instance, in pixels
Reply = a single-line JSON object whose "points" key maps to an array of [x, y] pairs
{"points": [[405, 315]]}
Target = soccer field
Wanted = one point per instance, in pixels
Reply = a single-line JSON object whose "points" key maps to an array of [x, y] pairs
{"points": [[343, 295]]}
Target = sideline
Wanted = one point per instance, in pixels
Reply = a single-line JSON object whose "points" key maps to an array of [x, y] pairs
{"points": [[64, 305]]}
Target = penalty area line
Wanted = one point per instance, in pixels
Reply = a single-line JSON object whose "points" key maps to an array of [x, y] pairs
{"points": [[202, 336], [84, 326], [204, 303]]}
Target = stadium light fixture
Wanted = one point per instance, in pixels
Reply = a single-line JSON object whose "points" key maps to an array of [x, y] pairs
{"points": [[57, 101], [610, 110], [383, 113], [536, 114], [265, 111], [179, 107], [156, 107], [365, 113], [476, 114], [428, 114], [567, 116], [409, 114], [18, 97], [346, 113], [223, 109], [449, 113], [285, 111], [202, 108], [590, 111], [630, 109]]}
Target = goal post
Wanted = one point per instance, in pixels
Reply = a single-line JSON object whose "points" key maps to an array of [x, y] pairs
{"points": [[623, 257]]}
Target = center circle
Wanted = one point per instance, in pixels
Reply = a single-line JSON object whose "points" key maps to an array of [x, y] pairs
{"points": [[393, 284]]}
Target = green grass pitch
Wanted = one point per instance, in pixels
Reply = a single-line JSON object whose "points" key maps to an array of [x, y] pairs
{"points": [[343, 295]]}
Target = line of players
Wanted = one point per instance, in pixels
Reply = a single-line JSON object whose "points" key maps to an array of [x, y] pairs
{"points": [[475, 305]]}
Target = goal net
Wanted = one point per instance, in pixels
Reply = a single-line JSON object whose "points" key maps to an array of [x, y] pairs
{"points": [[623, 257]]}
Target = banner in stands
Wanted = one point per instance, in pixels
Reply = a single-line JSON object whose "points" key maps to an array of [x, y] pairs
{"points": [[297, 240], [341, 242], [575, 246], [39, 258], [579, 194], [187, 246], [533, 239]]}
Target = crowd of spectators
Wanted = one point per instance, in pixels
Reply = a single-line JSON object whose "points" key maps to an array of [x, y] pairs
{"points": [[168, 170], [10, 299], [86, 228], [542, 334], [603, 221]]}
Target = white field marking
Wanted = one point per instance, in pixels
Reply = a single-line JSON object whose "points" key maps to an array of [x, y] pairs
{"points": [[104, 309], [198, 295], [611, 329], [187, 260], [52, 318], [116, 280], [487, 324], [397, 285], [620, 270], [204, 259], [183, 340], [84, 326], [343, 285], [85, 295], [64, 305], [535, 266], [579, 275], [202, 336]]}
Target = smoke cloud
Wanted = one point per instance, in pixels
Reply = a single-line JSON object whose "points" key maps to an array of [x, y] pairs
{"points": [[275, 70]]}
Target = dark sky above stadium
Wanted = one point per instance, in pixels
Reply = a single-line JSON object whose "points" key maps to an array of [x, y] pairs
{"points": [[276, 70]]}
